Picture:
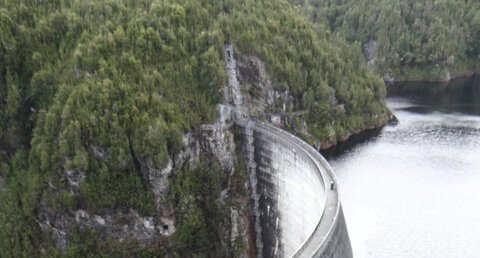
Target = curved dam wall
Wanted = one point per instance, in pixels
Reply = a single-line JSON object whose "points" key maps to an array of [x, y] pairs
{"points": [[299, 211]]}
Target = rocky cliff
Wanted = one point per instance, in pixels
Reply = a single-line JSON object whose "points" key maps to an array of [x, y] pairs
{"points": [[116, 139], [282, 108], [212, 142]]}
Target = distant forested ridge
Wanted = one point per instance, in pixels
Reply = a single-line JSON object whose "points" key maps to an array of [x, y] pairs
{"points": [[106, 88], [424, 39]]}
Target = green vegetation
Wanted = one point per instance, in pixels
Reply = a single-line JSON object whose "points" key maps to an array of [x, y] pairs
{"points": [[200, 215], [415, 39], [106, 88], [320, 71]]}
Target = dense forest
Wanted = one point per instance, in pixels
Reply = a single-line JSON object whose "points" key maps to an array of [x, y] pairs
{"points": [[414, 39], [104, 87], [110, 87]]}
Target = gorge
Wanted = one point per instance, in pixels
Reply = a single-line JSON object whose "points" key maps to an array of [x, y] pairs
{"points": [[135, 129]]}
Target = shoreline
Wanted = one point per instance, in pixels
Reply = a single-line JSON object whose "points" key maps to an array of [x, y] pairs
{"points": [[333, 149], [458, 76], [352, 137]]}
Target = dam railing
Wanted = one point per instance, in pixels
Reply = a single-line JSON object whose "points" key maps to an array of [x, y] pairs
{"points": [[323, 231], [329, 234]]}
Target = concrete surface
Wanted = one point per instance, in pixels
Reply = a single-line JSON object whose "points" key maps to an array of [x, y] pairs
{"points": [[300, 213]]}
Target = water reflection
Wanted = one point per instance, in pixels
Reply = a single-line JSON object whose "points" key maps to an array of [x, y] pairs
{"points": [[461, 95], [413, 191]]}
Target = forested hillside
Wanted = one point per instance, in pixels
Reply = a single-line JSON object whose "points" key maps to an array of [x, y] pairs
{"points": [[92, 92], [414, 39]]}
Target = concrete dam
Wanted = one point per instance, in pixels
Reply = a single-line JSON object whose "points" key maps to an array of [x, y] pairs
{"points": [[299, 213], [296, 209]]}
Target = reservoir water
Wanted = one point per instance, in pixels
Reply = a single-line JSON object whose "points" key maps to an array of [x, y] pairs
{"points": [[413, 190]]}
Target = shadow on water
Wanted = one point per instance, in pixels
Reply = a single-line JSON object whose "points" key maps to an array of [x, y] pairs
{"points": [[460, 95], [419, 110], [343, 147], [456, 96]]}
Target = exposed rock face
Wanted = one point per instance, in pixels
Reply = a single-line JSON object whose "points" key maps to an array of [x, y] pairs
{"points": [[369, 50], [256, 85], [116, 225], [261, 99], [119, 226], [217, 141], [159, 180], [448, 76], [281, 107], [190, 151], [225, 112], [74, 177], [214, 141], [388, 78]]}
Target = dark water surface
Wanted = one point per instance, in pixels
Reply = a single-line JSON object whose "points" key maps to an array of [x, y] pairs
{"points": [[414, 189]]}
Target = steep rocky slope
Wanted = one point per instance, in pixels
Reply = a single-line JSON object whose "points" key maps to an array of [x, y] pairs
{"points": [[112, 142]]}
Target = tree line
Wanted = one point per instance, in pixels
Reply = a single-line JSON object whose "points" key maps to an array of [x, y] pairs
{"points": [[415, 39], [105, 87]]}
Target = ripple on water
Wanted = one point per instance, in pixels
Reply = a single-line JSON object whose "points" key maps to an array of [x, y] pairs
{"points": [[413, 191]]}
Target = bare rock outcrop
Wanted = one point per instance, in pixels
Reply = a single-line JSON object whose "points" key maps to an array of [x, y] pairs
{"points": [[121, 226]]}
